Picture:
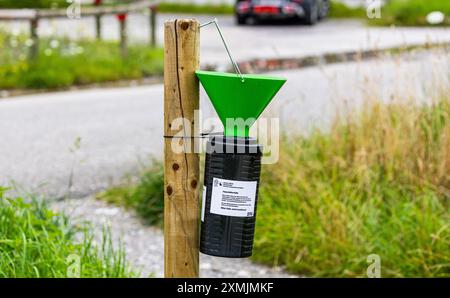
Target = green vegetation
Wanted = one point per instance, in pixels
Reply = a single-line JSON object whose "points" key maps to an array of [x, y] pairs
{"points": [[337, 9], [33, 3], [340, 10], [146, 197], [412, 12], [395, 12], [36, 242], [195, 8], [62, 63], [375, 183]]}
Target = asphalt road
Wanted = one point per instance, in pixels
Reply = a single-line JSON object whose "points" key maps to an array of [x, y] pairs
{"points": [[121, 128], [249, 42]]}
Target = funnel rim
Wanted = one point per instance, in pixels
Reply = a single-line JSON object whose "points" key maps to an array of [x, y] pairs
{"points": [[245, 76], [241, 101]]}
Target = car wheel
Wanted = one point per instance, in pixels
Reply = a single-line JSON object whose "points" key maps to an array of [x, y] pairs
{"points": [[311, 12], [241, 20]]}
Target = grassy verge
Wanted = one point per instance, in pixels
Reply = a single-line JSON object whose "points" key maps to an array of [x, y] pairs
{"points": [[396, 12], [337, 9], [168, 7], [36, 242], [375, 183], [340, 10], [411, 12], [62, 63], [33, 3], [145, 197], [192, 8]]}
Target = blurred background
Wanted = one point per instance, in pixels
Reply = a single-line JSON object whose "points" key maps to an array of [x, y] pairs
{"points": [[364, 161]]}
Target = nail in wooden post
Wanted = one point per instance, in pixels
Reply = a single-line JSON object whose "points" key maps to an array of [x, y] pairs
{"points": [[153, 25], [34, 49], [181, 170]]}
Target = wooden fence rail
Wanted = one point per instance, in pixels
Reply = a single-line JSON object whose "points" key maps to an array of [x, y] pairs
{"points": [[34, 15]]}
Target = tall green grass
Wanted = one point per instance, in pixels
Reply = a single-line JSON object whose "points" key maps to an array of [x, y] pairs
{"points": [[377, 182], [337, 9], [171, 7], [36, 242], [33, 3], [146, 196], [340, 10], [62, 63], [411, 12]]}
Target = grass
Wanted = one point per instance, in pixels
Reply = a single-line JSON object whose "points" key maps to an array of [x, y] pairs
{"points": [[170, 7], [33, 3], [377, 182], [337, 9], [411, 12], [396, 12], [145, 197], [340, 10], [36, 242], [191, 8], [62, 63]]}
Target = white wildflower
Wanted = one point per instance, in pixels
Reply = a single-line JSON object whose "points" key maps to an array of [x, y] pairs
{"points": [[435, 18], [29, 42], [54, 44]]}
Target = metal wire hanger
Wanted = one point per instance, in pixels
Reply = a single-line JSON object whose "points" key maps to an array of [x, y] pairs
{"points": [[235, 65]]}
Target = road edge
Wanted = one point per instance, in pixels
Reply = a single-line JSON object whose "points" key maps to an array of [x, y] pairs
{"points": [[259, 65]]}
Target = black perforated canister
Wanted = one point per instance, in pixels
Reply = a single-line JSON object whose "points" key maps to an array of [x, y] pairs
{"points": [[230, 194]]}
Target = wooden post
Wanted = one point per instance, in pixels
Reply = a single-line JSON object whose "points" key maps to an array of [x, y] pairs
{"points": [[98, 21], [34, 49], [98, 26], [181, 170], [123, 34], [153, 25]]}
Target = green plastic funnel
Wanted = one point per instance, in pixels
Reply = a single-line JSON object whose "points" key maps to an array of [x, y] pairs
{"points": [[237, 100]]}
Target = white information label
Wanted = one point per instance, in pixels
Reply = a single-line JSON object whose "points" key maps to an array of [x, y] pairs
{"points": [[203, 203], [233, 198]]}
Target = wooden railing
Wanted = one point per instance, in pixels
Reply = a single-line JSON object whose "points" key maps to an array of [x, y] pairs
{"points": [[34, 15]]}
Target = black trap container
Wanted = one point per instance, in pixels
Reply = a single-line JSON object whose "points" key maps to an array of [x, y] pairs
{"points": [[230, 195]]}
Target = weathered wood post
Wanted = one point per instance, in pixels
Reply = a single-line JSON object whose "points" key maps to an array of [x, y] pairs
{"points": [[153, 10], [123, 34], [98, 21], [34, 48], [98, 26], [181, 170]]}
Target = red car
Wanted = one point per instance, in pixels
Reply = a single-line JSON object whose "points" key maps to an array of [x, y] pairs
{"points": [[310, 11]]}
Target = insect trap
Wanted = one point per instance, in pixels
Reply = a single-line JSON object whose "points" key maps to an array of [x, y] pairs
{"points": [[233, 160]]}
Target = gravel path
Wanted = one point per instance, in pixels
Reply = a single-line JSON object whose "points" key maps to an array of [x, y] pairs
{"points": [[144, 245]]}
